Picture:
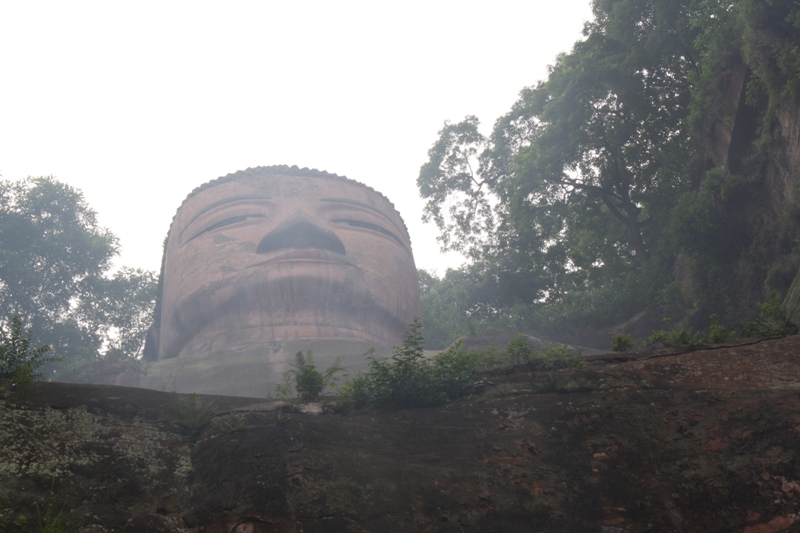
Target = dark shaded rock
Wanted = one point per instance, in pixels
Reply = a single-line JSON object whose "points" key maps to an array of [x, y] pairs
{"points": [[791, 303]]}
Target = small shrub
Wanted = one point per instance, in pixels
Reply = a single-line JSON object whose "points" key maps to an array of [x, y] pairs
{"points": [[233, 422], [771, 320], [405, 379], [55, 521], [190, 415], [454, 371], [306, 379], [555, 357], [718, 333], [548, 384], [517, 352], [285, 389], [358, 391], [579, 385], [408, 379], [673, 337], [621, 343], [18, 360]]}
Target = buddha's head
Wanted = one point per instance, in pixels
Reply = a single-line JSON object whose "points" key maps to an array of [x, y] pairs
{"points": [[280, 253]]}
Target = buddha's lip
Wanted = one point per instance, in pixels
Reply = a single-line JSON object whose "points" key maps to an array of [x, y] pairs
{"points": [[306, 256]]}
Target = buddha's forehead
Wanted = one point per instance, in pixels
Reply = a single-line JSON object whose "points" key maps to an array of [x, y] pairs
{"points": [[304, 191], [277, 186]]}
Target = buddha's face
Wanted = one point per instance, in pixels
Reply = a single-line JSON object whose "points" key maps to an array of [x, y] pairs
{"points": [[285, 257]]}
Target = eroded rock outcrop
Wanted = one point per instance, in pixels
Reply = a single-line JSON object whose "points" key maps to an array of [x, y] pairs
{"points": [[659, 441]]}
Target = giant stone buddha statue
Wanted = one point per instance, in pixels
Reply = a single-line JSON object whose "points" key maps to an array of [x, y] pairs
{"points": [[269, 261]]}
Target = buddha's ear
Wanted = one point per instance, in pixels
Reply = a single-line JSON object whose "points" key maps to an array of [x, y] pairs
{"points": [[150, 352]]}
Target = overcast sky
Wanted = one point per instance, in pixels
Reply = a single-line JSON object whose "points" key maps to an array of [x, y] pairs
{"points": [[138, 103]]}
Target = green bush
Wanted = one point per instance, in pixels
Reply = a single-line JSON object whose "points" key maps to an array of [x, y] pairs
{"points": [[718, 333], [673, 337], [519, 352], [306, 379], [556, 357], [408, 379], [771, 320], [621, 343], [190, 415], [18, 360]]}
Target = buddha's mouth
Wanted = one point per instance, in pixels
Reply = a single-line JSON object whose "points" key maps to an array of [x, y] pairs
{"points": [[306, 256]]}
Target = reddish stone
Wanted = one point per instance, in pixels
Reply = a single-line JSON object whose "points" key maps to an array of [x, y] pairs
{"points": [[265, 255], [267, 262]]}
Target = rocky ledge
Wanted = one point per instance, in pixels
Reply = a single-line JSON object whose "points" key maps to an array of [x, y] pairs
{"points": [[700, 441]]}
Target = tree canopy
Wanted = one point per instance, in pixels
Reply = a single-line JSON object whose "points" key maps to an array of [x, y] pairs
{"points": [[54, 266], [589, 197]]}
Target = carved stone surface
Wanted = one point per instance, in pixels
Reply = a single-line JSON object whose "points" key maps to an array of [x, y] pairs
{"points": [[266, 260]]}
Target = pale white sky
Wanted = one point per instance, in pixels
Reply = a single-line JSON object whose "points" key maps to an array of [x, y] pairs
{"points": [[138, 103]]}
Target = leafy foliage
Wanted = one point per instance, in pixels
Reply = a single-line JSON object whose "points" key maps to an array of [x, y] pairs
{"points": [[621, 342], [446, 306], [53, 264], [633, 177], [670, 336], [306, 379], [771, 46], [51, 247], [191, 415], [519, 352], [18, 359], [771, 321], [562, 196], [453, 173], [62, 520], [122, 307], [409, 380]]}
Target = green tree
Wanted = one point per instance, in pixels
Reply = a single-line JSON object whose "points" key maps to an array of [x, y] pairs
{"points": [[445, 304], [50, 247], [18, 359], [122, 307], [53, 261], [458, 194], [649, 170], [571, 193]]}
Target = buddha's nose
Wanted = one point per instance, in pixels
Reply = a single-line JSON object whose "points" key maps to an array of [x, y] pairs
{"points": [[300, 232]]}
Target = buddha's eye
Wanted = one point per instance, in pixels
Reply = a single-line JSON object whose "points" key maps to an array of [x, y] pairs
{"points": [[227, 222], [369, 226]]}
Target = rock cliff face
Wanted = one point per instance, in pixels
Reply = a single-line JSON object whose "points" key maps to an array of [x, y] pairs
{"points": [[780, 224], [701, 441], [783, 165], [754, 138]]}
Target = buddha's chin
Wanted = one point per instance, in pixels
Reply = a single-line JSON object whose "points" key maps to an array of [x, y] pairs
{"points": [[268, 304]]}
